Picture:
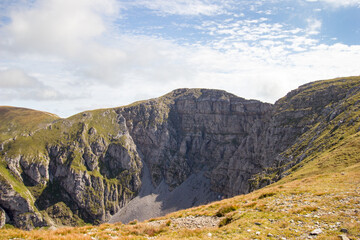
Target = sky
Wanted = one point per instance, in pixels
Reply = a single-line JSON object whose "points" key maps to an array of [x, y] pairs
{"points": [[68, 56]]}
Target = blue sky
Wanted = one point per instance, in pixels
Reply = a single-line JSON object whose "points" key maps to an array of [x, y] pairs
{"points": [[67, 56]]}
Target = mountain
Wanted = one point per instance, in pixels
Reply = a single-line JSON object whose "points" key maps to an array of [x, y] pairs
{"points": [[186, 148]]}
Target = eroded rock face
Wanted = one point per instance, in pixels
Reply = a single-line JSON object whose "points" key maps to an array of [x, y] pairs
{"points": [[108, 176], [36, 172]]}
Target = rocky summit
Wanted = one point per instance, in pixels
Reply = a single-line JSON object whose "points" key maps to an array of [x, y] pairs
{"points": [[186, 148]]}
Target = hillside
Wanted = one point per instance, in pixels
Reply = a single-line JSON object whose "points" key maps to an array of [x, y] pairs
{"points": [[306, 146], [15, 121]]}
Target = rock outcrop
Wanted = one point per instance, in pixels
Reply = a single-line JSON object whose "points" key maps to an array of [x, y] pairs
{"points": [[18, 207], [2, 217], [88, 167]]}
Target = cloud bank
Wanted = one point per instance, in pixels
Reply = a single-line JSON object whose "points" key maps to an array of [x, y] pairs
{"points": [[61, 49]]}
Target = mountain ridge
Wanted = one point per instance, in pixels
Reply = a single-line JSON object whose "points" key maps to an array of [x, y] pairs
{"points": [[239, 145]]}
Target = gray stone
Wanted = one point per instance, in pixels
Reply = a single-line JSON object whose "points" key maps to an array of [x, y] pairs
{"points": [[316, 231], [343, 237], [91, 161]]}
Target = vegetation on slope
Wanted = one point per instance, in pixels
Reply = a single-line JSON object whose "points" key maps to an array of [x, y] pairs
{"points": [[34, 147], [71, 137], [332, 116]]}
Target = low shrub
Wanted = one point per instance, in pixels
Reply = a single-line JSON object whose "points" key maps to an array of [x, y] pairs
{"points": [[225, 221], [265, 195], [226, 209]]}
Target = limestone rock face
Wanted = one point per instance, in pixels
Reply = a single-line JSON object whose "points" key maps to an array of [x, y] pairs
{"points": [[203, 130]]}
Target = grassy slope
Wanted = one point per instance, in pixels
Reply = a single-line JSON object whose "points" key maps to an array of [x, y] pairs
{"points": [[14, 121], [62, 131], [323, 191]]}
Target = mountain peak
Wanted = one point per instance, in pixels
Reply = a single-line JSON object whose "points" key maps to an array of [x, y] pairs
{"points": [[202, 93]]}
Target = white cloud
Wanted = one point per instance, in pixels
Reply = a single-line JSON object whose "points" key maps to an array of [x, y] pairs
{"points": [[343, 3], [16, 84], [15, 78], [259, 59], [273, 40], [138, 58], [256, 74], [61, 27], [184, 7], [314, 26]]}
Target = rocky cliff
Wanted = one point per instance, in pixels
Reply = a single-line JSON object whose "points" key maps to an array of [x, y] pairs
{"points": [[205, 143]]}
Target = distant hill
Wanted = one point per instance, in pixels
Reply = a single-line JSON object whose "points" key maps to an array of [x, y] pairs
{"points": [[187, 148], [14, 121]]}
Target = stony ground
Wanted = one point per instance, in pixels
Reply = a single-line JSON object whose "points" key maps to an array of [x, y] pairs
{"points": [[190, 222]]}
